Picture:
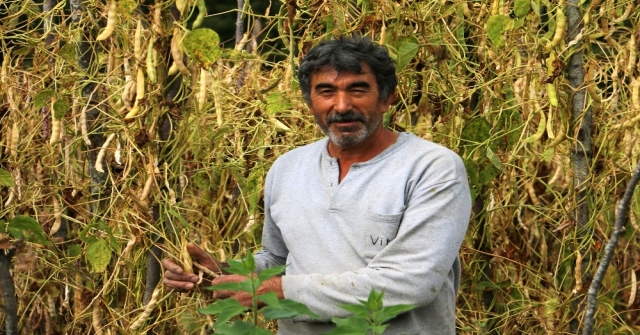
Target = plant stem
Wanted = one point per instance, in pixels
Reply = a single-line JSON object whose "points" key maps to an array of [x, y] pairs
{"points": [[254, 299], [8, 293], [581, 155], [99, 181], [239, 23], [48, 6], [622, 217], [483, 244]]}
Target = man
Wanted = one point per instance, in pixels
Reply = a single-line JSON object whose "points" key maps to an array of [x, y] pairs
{"points": [[364, 208]]}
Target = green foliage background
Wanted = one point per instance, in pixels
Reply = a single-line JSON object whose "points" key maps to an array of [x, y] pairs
{"points": [[475, 76]]}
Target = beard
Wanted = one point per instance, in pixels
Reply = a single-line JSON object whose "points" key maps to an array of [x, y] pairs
{"points": [[345, 137]]}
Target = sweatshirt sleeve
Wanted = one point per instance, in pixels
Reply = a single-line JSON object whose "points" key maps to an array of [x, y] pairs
{"points": [[274, 252], [411, 269]]}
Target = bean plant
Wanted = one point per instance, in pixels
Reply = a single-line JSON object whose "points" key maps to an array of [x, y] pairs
{"points": [[369, 316], [275, 308], [129, 128]]}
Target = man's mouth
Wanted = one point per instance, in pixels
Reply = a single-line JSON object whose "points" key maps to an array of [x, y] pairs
{"points": [[345, 123], [347, 127], [347, 119]]}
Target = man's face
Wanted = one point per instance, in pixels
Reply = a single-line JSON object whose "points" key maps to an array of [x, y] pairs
{"points": [[346, 106]]}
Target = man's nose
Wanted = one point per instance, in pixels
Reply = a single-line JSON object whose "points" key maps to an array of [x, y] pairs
{"points": [[342, 102]]}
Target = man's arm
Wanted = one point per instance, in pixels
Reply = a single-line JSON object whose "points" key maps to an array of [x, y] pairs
{"points": [[273, 284], [274, 251], [412, 268]]}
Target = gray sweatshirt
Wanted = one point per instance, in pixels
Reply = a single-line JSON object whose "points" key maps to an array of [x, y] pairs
{"points": [[394, 223]]}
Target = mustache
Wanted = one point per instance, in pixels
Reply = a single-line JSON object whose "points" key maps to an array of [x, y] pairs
{"points": [[349, 116]]}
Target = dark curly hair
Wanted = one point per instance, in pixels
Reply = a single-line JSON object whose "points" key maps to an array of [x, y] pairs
{"points": [[346, 54]]}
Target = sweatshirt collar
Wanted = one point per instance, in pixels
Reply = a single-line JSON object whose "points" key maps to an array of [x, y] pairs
{"points": [[403, 137]]}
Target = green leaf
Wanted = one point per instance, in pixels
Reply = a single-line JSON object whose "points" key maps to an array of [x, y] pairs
{"points": [[349, 326], [511, 122], [495, 26], [224, 309], [271, 272], [23, 226], [202, 180], [127, 7], [203, 45], [283, 308], [41, 99], [273, 313], [68, 53], [519, 23], [98, 255], [113, 243], [259, 331], [494, 159], [84, 236], [237, 286], [239, 328], [179, 217], [407, 49], [459, 31], [74, 250], [348, 331], [482, 285], [517, 296], [377, 330], [6, 179], [504, 284], [477, 131], [328, 23], [60, 108], [386, 119], [521, 7], [390, 312], [536, 8], [253, 186], [271, 299], [488, 173], [374, 301], [357, 310], [474, 178], [245, 267], [278, 102], [191, 322], [547, 155], [235, 55]]}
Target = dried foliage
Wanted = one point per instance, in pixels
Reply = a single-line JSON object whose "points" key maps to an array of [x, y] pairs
{"points": [[486, 79]]}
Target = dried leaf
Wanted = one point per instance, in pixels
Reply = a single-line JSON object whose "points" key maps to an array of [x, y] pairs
{"points": [[4, 241], [26, 259], [98, 255], [203, 45]]}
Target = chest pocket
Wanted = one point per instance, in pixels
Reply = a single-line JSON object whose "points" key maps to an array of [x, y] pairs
{"points": [[379, 231]]}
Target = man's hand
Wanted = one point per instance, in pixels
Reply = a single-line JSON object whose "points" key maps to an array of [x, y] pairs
{"points": [[175, 278], [244, 298]]}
